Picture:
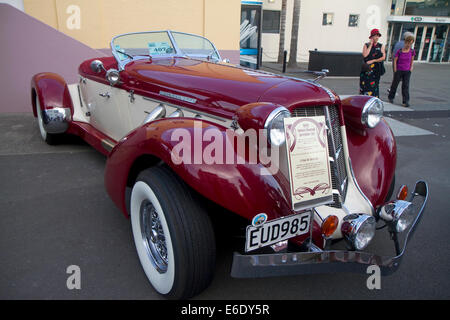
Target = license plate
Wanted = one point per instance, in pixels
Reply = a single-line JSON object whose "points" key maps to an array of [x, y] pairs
{"points": [[277, 230]]}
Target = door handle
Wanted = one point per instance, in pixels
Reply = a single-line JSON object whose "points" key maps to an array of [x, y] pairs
{"points": [[105, 95]]}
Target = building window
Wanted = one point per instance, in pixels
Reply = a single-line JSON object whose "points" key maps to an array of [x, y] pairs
{"points": [[353, 20], [431, 8], [271, 21], [327, 19]]}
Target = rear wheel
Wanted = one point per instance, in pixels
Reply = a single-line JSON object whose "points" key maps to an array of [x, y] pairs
{"points": [[47, 137], [172, 233]]}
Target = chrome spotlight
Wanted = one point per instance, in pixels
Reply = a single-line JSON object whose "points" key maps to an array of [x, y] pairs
{"points": [[398, 213], [358, 230]]}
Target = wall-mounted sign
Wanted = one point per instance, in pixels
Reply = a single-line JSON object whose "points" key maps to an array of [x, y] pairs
{"points": [[419, 19]]}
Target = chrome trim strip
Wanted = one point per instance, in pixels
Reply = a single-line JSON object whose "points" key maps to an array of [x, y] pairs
{"points": [[333, 146], [187, 109], [108, 145], [157, 113], [79, 95], [359, 189]]}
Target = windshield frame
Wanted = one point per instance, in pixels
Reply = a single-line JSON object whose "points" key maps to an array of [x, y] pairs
{"points": [[177, 51]]}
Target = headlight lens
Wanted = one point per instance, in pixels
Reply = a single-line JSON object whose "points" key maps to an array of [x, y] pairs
{"points": [[405, 219], [113, 76], [372, 112], [358, 230], [398, 213], [274, 126]]}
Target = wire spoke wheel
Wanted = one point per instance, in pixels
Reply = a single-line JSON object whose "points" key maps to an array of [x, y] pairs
{"points": [[153, 236]]}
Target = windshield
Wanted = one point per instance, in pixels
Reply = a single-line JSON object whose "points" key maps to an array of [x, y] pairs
{"points": [[142, 44], [195, 46], [132, 46]]}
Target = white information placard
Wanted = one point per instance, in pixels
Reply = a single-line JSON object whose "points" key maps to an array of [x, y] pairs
{"points": [[308, 160]]}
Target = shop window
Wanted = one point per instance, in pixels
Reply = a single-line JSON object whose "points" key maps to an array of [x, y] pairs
{"points": [[271, 21], [327, 19], [427, 8], [353, 20]]}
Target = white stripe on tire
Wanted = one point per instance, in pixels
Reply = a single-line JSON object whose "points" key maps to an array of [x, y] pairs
{"points": [[163, 283]]}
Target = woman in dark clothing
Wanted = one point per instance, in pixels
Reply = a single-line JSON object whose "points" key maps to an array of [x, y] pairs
{"points": [[374, 53]]}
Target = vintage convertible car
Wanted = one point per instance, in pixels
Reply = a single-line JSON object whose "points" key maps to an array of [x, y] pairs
{"points": [[181, 127]]}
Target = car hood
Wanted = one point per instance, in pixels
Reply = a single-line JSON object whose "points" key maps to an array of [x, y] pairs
{"points": [[221, 88]]}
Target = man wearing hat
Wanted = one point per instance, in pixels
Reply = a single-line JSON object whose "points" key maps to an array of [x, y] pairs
{"points": [[372, 69]]}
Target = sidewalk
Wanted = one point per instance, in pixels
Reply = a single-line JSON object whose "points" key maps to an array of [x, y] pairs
{"points": [[429, 86]]}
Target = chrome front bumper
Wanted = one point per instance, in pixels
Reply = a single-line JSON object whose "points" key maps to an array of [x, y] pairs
{"points": [[279, 264]]}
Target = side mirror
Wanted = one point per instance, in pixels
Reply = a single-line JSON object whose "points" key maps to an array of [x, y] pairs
{"points": [[113, 76], [97, 66]]}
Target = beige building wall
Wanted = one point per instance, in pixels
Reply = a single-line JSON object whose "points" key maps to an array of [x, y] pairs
{"points": [[336, 37], [95, 22]]}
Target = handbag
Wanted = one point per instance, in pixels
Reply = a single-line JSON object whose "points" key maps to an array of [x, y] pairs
{"points": [[365, 67], [382, 68]]}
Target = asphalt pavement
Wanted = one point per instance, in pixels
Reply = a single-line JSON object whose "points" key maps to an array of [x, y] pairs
{"points": [[54, 213]]}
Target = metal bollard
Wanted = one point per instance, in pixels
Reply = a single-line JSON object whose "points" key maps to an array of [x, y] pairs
{"points": [[284, 60]]}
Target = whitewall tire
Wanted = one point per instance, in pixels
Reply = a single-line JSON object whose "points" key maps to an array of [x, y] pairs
{"points": [[173, 234], [47, 137]]}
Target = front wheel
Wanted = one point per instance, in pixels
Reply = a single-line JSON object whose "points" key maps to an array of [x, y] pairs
{"points": [[172, 233]]}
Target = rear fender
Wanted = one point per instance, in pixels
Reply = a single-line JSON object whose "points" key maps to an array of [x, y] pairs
{"points": [[54, 99]]}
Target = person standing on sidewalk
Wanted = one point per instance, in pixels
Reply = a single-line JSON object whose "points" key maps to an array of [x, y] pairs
{"points": [[400, 44], [402, 67], [374, 54]]}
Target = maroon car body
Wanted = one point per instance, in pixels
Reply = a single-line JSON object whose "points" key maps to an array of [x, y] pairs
{"points": [[219, 96]]}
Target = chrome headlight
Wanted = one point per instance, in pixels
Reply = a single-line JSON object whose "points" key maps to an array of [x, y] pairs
{"points": [[274, 126], [399, 213], [113, 76], [358, 230], [372, 112]]}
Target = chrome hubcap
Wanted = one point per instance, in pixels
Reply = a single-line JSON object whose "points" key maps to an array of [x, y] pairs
{"points": [[153, 236]]}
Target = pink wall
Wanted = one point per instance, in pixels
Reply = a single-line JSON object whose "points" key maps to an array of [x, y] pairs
{"points": [[29, 46]]}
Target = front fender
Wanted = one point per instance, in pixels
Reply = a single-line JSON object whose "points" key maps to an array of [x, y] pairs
{"points": [[240, 188], [373, 154]]}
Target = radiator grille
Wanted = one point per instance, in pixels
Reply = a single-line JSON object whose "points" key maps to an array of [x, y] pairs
{"points": [[336, 149]]}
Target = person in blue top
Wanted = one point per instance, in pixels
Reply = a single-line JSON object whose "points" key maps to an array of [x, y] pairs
{"points": [[401, 43]]}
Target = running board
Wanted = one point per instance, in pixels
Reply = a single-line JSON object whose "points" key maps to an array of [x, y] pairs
{"points": [[95, 138]]}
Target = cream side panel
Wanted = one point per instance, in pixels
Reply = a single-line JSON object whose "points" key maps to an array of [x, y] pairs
{"points": [[142, 106], [108, 115]]}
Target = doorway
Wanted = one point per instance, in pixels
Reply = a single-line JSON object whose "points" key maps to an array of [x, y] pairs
{"points": [[430, 43]]}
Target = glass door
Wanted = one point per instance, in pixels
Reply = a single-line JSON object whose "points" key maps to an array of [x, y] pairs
{"points": [[419, 42], [427, 42], [250, 35], [438, 43], [446, 56]]}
